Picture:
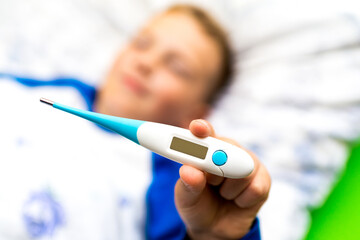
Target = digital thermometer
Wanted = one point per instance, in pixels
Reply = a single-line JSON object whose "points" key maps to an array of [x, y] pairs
{"points": [[209, 154]]}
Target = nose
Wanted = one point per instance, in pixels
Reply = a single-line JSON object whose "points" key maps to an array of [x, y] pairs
{"points": [[146, 62]]}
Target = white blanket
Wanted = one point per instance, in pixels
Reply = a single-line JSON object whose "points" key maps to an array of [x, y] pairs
{"points": [[69, 177]]}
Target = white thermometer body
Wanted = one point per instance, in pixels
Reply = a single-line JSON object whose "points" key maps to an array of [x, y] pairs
{"points": [[209, 154]]}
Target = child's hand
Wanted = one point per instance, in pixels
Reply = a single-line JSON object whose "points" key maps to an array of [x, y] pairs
{"points": [[214, 207]]}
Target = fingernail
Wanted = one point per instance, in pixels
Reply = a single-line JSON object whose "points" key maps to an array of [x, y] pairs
{"points": [[202, 122]]}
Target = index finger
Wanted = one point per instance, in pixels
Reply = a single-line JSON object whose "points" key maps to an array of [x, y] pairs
{"points": [[201, 128]]}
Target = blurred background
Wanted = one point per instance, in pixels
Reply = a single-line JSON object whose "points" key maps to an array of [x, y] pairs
{"points": [[295, 100]]}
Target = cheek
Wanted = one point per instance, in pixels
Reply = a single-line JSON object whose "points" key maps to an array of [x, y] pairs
{"points": [[173, 98], [169, 90]]}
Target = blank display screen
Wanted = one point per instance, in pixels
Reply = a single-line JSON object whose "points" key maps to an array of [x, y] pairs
{"points": [[189, 148]]}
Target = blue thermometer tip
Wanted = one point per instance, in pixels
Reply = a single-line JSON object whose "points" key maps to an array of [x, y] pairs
{"points": [[123, 126]]}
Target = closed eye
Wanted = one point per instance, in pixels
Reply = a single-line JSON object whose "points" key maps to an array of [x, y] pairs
{"points": [[178, 67]]}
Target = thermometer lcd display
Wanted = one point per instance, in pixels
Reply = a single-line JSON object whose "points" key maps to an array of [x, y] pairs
{"points": [[189, 148]]}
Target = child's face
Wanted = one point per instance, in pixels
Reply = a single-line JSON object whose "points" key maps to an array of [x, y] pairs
{"points": [[165, 74]]}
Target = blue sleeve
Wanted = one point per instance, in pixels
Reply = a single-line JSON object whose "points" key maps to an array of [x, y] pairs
{"points": [[253, 234]]}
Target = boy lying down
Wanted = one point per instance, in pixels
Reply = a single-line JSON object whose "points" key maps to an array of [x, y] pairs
{"points": [[101, 186]]}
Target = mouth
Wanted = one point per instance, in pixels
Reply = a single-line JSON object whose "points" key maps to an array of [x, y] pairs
{"points": [[134, 85]]}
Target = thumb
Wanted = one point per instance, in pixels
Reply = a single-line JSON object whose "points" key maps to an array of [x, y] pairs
{"points": [[189, 187]]}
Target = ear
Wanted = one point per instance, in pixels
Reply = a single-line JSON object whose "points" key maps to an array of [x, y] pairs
{"points": [[200, 111]]}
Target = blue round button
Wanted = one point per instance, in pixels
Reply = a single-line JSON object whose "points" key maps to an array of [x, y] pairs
{"points": [[219, 157]]}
